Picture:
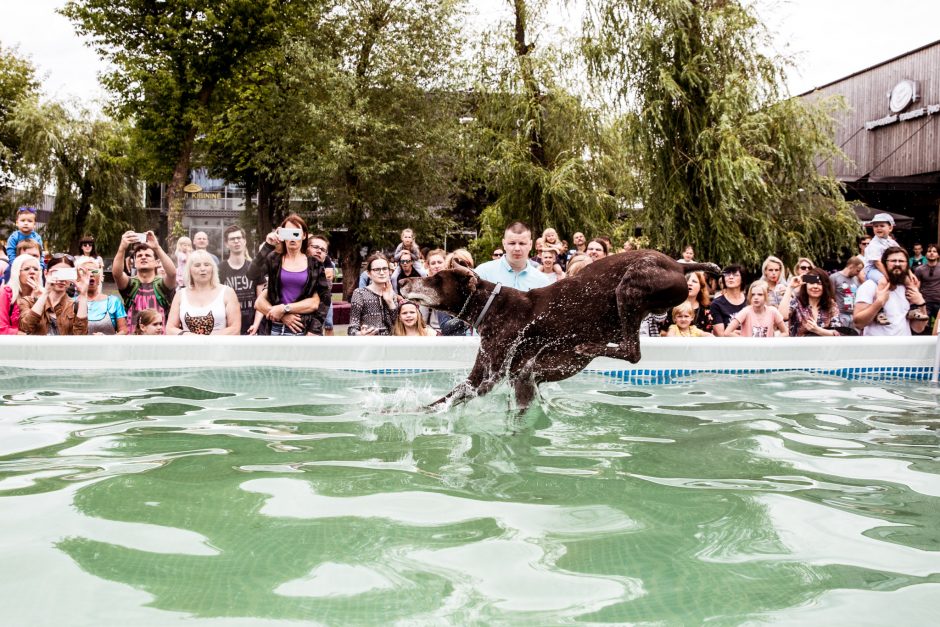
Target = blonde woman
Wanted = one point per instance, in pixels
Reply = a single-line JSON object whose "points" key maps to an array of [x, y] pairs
{"points": [[25, 283], [775, 274], [206, 307], [410, 322], [106, 314], [462, 257]]}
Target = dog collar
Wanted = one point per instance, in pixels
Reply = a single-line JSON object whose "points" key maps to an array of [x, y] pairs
{"points": [[489, 302]]}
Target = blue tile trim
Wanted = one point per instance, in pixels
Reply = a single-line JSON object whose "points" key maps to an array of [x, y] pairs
{"points": [[674, 376], [645, 376]]}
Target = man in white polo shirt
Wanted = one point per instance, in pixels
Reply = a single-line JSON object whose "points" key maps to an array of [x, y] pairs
{"points": [[898, 295], [513, 268]]}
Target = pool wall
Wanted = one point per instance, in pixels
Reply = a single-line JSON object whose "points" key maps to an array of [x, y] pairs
{"points": [[664, 359]]}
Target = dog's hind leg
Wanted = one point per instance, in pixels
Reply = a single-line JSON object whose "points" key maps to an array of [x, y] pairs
{"points": [[524, 390], [631, 310]]}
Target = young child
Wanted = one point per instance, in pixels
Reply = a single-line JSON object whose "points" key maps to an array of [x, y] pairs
{"points": [[184, 246], [882, 224], [25, 229], [683, 315], [149, 322], [757, 319]]}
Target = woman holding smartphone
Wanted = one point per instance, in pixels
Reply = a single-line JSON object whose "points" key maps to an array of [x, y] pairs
{"points": [[298, 294], [373, 308], [52, 312]]}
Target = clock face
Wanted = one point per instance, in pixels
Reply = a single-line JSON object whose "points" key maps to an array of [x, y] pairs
{"points": [[901, 96]]}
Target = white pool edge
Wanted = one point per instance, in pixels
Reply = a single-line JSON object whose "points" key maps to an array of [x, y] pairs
{"points": [[910, 357]]}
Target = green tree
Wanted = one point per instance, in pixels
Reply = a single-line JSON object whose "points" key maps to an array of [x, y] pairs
{"points": [[18, 87], [169, 59], [541, 151], [86, 161], [726, 162], [382, 119]]}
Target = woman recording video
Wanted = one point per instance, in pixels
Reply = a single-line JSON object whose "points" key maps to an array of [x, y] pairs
{"points": [[298, 294]]}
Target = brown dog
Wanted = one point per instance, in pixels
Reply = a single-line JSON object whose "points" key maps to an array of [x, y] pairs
{"points": [[552, 333]]}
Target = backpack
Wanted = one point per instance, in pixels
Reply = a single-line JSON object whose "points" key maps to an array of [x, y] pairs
{"points": [[158, 288]]}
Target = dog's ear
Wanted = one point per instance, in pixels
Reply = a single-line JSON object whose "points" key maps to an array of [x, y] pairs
{"points": [[459, 268]]}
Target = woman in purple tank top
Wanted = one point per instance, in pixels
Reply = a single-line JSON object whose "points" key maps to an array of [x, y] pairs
{"points": [[298, 294]]}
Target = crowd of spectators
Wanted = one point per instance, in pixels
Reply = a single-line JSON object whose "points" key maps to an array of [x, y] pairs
{"points": [[285, 288]]}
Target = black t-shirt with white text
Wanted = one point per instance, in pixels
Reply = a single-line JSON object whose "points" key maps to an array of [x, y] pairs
{"points": [[244, 288]]}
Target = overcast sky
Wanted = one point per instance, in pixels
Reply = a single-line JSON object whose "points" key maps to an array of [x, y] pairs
{"points": [[830, 38]]}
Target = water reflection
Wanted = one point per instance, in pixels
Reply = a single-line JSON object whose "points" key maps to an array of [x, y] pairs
{"points": [[285, 496]]}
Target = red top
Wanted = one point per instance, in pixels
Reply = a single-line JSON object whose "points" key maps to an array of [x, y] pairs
{"points": [[9, 312]]}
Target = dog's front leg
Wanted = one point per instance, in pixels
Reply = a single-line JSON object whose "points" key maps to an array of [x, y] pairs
{"points": [[481, 380]]}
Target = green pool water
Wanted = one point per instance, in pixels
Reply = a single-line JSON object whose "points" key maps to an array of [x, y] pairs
{"points": [[284, 497]]}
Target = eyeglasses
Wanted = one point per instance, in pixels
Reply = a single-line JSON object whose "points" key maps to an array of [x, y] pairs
{"points": [[805, 267], [385, 269], [316, 247]]}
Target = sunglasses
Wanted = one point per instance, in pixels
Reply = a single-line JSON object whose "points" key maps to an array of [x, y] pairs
{"points": [[497, 254], [406, 261], [26, 210], [61, 256], [806, 267]]}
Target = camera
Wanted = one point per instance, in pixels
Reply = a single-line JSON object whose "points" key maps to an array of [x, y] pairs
{"points": [[64, 274], [141, 238], [291, 234]]}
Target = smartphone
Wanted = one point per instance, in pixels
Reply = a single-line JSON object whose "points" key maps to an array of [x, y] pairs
{"points": [[141, 238], [290, 234], [64, 274]]}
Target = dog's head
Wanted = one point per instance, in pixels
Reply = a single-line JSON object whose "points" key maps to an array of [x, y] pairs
{"points": [[447, 290]]}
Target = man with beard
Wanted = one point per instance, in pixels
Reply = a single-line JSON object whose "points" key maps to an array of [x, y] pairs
{"points": [[898, 295]]}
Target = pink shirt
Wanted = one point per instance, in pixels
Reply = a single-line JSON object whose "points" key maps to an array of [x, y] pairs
{"points": [[9, 316], [755, 324]]}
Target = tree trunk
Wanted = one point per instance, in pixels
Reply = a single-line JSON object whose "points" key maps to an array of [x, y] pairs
{"points": [[81, 216], [347, 248], [534, 113], [174, 192]]}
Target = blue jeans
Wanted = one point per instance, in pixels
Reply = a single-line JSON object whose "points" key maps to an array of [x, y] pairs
{"points": [[279, 329], [328, 323], [874, 274]]}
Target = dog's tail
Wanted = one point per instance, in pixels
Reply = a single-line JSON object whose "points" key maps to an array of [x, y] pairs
{"points": [[708, 268]]}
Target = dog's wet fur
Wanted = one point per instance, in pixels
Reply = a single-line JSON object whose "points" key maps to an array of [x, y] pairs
{"points": [[552, 333]]}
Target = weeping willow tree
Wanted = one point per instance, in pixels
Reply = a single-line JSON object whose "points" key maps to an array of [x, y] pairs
{"points": [[538, 149], [727, 163], [86, 161]]}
